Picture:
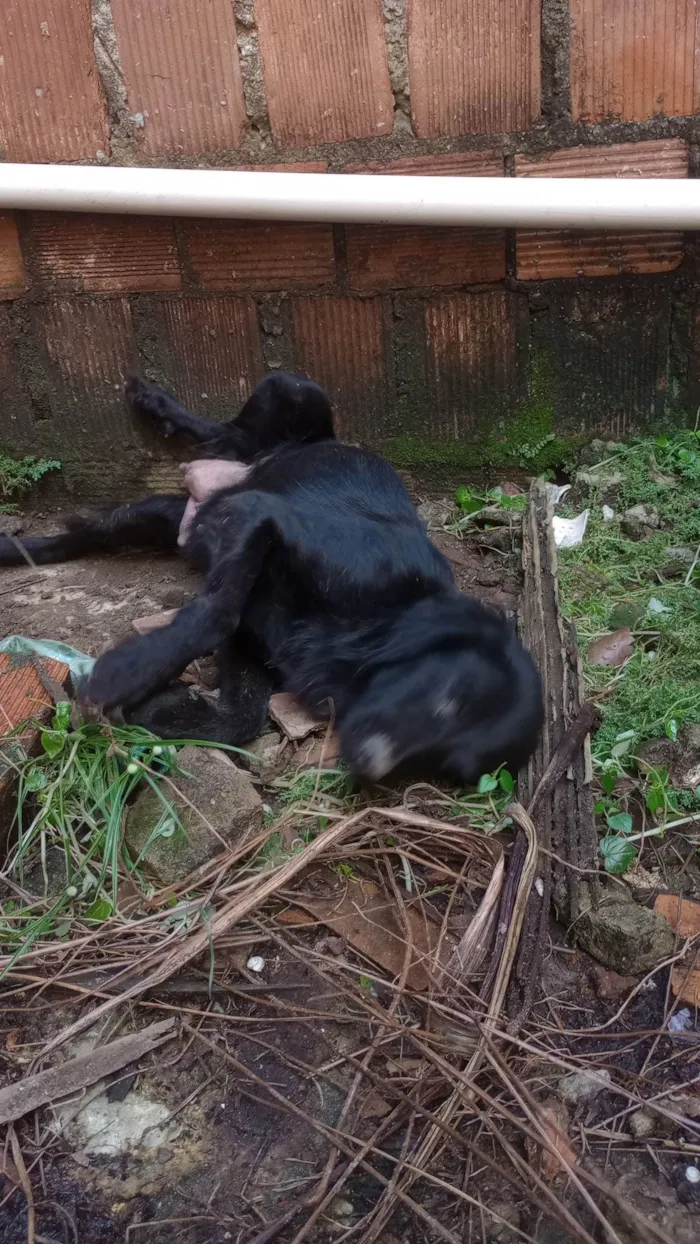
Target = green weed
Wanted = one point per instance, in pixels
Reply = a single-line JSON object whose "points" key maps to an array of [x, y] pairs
{"points": [[611, 581], [18, 475], [72, 800]]}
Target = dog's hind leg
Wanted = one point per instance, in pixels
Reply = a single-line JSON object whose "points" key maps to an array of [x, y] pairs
{"points": [[153, 523], [234, 714]]}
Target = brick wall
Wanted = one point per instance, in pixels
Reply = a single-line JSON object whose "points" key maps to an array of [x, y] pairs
{"points": [[437, 344]]}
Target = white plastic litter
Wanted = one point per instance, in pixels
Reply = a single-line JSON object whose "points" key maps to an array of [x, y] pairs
{"points": [[569, 532], [608, 513], [680, 1021], [256, 963], [656, 606], [78, 663], [557, 491]]}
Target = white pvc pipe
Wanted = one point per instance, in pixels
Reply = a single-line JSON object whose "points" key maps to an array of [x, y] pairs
{"points": [[526, 203]]}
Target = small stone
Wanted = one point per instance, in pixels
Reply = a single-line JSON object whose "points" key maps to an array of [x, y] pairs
{"points": [[319, 753], [599, 479], [593, 453], [267, 754], [583, 1086], [642, 1125], [340, 1208], [677, 562], [610, 985], [639, 521], [435, 513], [625, 937], [225, 795]]}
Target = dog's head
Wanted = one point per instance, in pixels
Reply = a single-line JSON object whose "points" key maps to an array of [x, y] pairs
{"points": [[451, 693]]}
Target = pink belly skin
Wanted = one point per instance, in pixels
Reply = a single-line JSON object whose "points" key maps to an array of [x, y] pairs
{"points": [[202, 479]]}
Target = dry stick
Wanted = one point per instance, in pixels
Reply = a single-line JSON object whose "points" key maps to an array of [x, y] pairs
{"points": [[198, 943], [564, 753], [26, 1185], [34, 1091], [451, 1105]]}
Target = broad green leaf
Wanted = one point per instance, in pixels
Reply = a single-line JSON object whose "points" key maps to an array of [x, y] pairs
{"points": [[61, 718], [621, 822], [52, 741], [608, 781], [617, 853], [101, 909], [487, 782]]}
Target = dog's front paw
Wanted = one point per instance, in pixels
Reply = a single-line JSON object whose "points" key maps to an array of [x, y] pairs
{"points": [[116, 679], [147, 398]]}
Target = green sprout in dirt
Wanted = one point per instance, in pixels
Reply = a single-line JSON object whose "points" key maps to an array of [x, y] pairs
{"points": [[18, 475], [651, 585], [485, 805], [471, 504]]}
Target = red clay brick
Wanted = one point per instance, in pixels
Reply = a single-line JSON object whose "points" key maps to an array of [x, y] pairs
{"points": [[22, 694], [12, 277], [180, 62], [656, 157], [395, 257], [214, 346], [472, 358], [104, 254], [474, 65], [258, 255], [305, 166], [51, 105], [632, 59], [546, 254], [90, 349], [453, 164], [342, 343], [325, 68]]}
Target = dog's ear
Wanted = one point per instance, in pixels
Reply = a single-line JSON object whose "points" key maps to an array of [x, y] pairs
{"points": [[448, 622]]}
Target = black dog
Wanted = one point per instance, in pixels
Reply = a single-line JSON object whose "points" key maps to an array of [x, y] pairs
{"points": [[320, 581]]}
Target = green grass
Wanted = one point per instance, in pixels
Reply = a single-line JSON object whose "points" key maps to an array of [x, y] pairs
{"points": [[72, 800], [610, 581], [610, 575]]}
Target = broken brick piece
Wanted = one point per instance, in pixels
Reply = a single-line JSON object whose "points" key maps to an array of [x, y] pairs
{"points": [[153, 621], [291, 716], [22, 696]]}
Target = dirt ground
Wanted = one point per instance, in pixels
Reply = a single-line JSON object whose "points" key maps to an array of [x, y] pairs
{"points": [[225, 1161]]}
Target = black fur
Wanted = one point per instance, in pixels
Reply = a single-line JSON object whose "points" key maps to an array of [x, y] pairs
{"points": [[321, 580]]}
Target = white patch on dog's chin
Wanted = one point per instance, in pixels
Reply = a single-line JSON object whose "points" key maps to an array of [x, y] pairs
{"points": [[376, 756]]}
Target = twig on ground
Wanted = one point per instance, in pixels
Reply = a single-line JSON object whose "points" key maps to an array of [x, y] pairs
{"points": [[34, 1091]]}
